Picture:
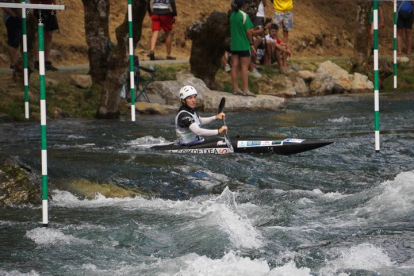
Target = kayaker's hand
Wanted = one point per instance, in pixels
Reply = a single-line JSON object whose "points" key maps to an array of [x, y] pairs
{"points": [[220, 116], [223, 128]]}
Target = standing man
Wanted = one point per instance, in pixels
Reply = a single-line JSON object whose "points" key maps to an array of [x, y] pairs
{"points": [[283, 17], [163, 16], [14, 32], [404, 24], [48, 18]]}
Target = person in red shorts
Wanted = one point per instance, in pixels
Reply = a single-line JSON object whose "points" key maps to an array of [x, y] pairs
{"points": [[163, 16]]}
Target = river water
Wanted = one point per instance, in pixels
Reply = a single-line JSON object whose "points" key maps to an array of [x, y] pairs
{"points": [[119, 208]]}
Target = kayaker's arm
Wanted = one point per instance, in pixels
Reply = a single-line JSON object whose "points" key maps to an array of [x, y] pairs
{"points": [[207, 120], [202, 131]]}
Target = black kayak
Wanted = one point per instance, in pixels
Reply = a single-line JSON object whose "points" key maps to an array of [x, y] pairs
{"points": [[247, 145]]}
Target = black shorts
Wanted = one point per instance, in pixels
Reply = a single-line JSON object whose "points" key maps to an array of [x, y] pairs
{"points": [[405, 20], [258, 21], [241, 53], [14, 31], [49, 20]]}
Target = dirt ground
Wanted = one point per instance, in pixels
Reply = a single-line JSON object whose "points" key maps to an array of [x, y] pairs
{"points": [[322, 28]]}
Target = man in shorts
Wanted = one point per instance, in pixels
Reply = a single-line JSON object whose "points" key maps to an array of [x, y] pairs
{"points": [[49, 20], [405, 24], [283, 17], [14, 32], [163, 16]]}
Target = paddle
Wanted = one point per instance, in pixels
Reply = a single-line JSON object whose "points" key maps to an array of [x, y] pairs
{"points": [[220, 109]]}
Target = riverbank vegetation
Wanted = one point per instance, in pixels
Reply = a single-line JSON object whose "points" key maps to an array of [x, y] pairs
{"points": [[65, 99]]}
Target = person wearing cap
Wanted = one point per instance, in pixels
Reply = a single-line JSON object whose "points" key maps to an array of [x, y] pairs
{"points": [[188, 124], [241, 42]]}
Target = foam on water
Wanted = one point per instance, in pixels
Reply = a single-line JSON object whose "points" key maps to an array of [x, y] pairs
{"points": [[18, 273], [221, 212], [45, 236], [342, 119], [395, 199], [231, 264], [364, 256], [147, 142]]}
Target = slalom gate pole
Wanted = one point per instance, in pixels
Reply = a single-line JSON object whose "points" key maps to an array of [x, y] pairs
{"points": [[45, 220], [376, 78], [395, 43], [131, 61], [25, 67]]}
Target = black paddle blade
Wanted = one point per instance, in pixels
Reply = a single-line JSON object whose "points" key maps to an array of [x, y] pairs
{"points": [[222, 104]]}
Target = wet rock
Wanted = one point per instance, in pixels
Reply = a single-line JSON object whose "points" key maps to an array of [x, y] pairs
{"points": [[81, 81], [19, 184]]}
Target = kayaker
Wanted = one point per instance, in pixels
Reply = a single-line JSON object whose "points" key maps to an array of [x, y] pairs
{"points": [[188, 124]]}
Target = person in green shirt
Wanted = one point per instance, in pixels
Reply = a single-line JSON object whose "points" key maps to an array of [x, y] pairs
{"points": [[241, 28]]}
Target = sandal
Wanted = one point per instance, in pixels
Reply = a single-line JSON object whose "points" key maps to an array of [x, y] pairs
{"points": [[239, 93], [248, 93]]}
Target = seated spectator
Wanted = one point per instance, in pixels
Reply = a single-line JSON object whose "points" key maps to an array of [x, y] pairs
{"points": [[276, 50]]}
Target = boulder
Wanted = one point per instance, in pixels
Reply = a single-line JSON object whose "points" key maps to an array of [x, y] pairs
{"points": [[167, 91], [51, 82], [306, 75], [19, 184], [242, 103], [154, 108], [300, 87], [361, 84], [339, 76], [323, 84], [189, 79], [60, 113], [281, 86], [81, 81]]}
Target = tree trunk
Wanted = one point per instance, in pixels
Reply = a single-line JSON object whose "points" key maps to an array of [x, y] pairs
{"points": [[118, 62], [361, 45], [97, 37], [210, 41]]}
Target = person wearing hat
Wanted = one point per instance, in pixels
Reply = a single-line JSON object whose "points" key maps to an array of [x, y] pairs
{"points": [[241, 29], [188, 124]]}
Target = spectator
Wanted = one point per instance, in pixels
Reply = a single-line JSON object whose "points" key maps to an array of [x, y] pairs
{"points": [[163, 16], [283, 17], [14, 32], [260, 15], [48, 18], [405, 24], [276, 50], [241, 43]]}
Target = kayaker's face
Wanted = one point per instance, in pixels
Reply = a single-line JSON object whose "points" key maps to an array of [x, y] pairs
{"points": [[191, 101]]}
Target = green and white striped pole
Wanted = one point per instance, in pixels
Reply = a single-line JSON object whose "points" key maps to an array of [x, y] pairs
{"points": [[376, 78], [131, 61], [45, 220], [395, 43], [25, 67]]}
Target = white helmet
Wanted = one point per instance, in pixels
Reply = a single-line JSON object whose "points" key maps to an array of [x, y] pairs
{"points": [[187, 91]]}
